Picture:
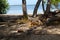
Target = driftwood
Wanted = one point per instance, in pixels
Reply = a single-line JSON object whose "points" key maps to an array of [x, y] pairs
{"points": [[54, 17]]}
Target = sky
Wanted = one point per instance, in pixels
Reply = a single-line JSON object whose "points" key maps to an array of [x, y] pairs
{"points": [[19, 2]]}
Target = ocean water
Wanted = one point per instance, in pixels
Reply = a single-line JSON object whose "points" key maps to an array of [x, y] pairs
{"points": [[17, 9]]}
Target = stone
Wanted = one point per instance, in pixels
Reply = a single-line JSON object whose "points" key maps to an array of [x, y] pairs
{"points": [[23, 29]]}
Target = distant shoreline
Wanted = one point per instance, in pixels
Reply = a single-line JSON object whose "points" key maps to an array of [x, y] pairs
{"points": [[16, 14], [21, 13], [26, 5]]}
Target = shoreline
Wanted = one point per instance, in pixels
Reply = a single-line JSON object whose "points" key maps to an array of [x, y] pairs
{"points": [[22, 13], [18, 14]]}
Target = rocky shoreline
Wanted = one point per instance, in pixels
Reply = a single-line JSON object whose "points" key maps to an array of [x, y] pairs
{"points": [[25, 33], [16, 30]]}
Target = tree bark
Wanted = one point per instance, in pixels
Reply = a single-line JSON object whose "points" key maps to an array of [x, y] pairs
{"points": [[36, 8], [47, 8], [24, 9], [43, 6]]}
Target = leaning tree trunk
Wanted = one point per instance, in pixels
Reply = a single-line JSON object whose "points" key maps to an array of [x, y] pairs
{"points": [[43, 6], [24, 9], [36, 8], [47, 8]]}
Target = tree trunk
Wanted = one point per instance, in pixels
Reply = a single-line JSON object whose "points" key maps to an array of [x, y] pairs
{"points": [[24, 9], [43, 6], [36, 8], [47, 8]]}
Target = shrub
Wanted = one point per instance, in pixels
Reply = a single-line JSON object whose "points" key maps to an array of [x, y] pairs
{"points": [[3, 6]]}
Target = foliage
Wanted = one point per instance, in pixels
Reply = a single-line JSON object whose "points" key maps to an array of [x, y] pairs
{"points": [[55, 3], [3, 6]]}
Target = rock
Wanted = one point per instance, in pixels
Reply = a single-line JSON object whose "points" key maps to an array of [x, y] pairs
{"points": [[35, 21], [37, 30], [3, 27], [53, 31], [58, 15], [15, 31], [23, 29]]}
